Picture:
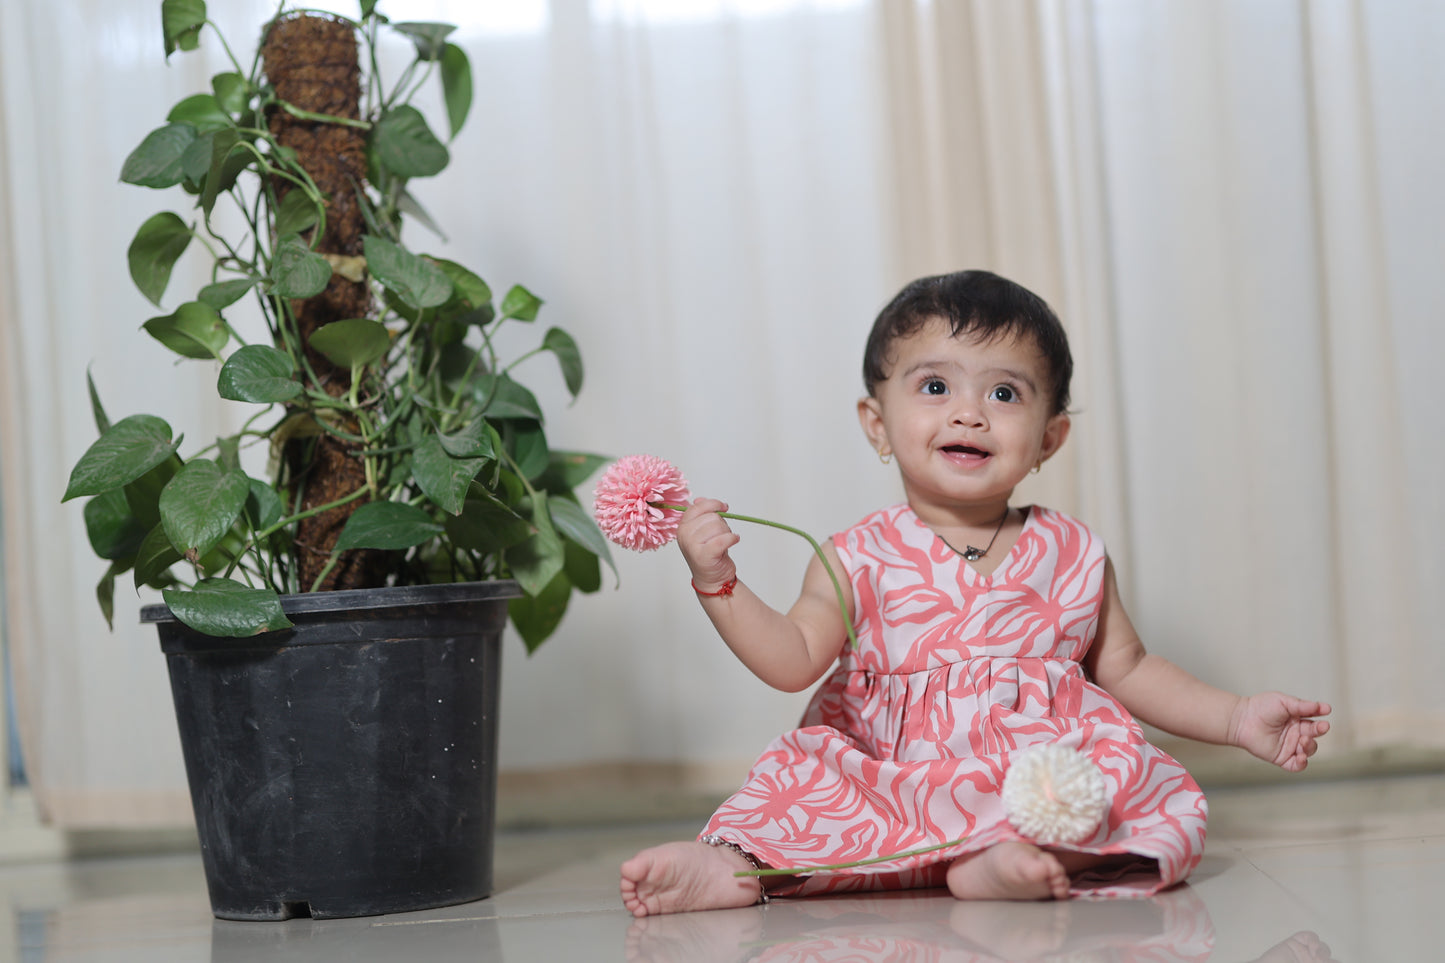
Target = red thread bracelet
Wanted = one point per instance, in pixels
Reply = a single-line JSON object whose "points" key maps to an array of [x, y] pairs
{"points": [[724, 592]]}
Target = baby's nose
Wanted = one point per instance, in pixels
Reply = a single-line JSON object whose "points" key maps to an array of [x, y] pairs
{"points": [[968, 413]]}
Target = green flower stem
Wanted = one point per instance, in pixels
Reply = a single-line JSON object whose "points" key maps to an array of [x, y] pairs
{"points": [[807, 870], [817, 550]]}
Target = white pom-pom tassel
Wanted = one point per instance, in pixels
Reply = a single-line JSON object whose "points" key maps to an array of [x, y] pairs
{"points": [[1054, 794]]}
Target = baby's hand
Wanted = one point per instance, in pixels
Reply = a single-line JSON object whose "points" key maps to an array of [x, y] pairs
{"points": [[1279, 728], [705, 538]]}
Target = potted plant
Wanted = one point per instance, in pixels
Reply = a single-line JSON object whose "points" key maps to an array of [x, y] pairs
{"points": [[410, 492]]}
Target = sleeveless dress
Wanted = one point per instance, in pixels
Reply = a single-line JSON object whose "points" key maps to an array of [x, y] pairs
{"points": [[906, 743]]}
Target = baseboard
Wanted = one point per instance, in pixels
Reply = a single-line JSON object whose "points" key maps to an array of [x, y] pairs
{"points": [[1222, 767], [23, 838], [614, 793]]}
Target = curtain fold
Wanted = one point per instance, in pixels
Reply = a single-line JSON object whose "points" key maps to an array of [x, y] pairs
{"points": [[1233, 206], [1379, 252]]}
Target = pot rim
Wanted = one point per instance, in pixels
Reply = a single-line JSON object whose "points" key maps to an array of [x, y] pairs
{"points": [[362, 600]]}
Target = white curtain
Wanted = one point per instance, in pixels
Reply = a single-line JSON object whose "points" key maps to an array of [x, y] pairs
{"points": [[1234, 205], [1274, 228]]}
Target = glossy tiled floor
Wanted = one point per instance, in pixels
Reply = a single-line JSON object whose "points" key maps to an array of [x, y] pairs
{"points": [[1344, 871]]}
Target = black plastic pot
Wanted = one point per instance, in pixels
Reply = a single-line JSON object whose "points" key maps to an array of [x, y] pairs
{"points": [[346, 766]]}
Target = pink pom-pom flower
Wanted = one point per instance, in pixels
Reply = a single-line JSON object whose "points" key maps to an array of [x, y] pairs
{"points": [[639, 502]]}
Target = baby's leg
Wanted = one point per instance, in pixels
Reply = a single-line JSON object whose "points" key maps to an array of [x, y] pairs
{"points": [[679, 877]]}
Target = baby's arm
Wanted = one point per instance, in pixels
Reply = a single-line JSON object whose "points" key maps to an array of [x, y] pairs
{"points": [[1271, 725], [788, 652]]}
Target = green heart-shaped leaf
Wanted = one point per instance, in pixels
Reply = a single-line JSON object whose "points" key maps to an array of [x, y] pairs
{"points": [[387, 525], [444, 479], [429, 38], [225, 608], [521, 304], [469, 292], [223, 294], [194, 330], [157, 161], [486, 526], [536, 561], [404, 144], [259, 374], [181, 23], [573, 522], [297, 213], [153, 252], [129, 449], [353, 342], [536, 617], [583, 569], [112, 528], [297, 271], [201, 111], [527, 441], [476, 440], [200, 505], [500, 397], [570, 469], [97, 411], [561, 344], [456, 86], [144, 494], [264, 507], [416, 280], [105, 593], [155, 557], [230, 91]]}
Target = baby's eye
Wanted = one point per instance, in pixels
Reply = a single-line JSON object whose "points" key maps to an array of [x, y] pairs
{"points": [[935, 386], [1004, 393]]}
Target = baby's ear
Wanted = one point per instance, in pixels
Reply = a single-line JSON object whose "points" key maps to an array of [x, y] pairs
{"points": [[870, 416], [1056, 432]]}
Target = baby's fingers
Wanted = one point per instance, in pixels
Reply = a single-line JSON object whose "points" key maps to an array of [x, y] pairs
{"points": [[1306, 744], [705, 506], [702, 523]]}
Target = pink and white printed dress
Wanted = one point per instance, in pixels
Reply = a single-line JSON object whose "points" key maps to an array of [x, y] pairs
{"points": [[906, 744]]}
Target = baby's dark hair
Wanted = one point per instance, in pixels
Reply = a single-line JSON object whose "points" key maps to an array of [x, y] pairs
{"points": [[979, 304]]}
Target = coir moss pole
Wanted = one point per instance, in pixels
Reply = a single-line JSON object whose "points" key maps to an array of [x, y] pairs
{"points": [[311, 61]]}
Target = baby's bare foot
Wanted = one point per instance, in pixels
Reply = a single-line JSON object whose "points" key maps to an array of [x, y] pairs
{"points": [[1008, 870], [680, 877]]}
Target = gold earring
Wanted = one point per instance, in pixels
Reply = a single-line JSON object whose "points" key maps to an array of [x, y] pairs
{"points": [[1037, 465], [885, 457]]}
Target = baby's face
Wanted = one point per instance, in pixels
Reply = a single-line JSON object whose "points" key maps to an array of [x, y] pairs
{"points": [[966, 418]]}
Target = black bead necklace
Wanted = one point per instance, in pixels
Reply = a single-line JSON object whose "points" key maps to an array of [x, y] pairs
{"points": [[973, 554]]}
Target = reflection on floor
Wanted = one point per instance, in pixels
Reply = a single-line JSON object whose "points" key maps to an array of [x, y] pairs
{"points": [[1344, 871]]}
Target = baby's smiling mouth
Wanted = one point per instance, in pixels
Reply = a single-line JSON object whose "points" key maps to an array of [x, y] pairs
{"points": [[967, 451]]}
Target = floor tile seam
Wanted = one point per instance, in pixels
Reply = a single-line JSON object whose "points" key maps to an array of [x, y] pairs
{"points": [[1276, 882], [545, 914], [1341, 946]]}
